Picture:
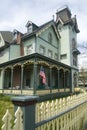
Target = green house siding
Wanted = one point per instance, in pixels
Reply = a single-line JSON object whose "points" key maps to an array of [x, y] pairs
{"points": [[42, 41], [67, 33], [4, 55], [65, 44], [14, 51], [27, 43]]}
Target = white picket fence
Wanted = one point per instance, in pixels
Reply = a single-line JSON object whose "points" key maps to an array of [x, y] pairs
{"points": [[18, 121], [46, 110]]}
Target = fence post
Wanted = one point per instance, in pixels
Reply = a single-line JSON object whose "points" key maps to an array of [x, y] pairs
{"points": [[27, 104]]}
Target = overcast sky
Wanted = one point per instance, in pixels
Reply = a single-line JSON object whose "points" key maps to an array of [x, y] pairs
{"points": [[14, 14]]}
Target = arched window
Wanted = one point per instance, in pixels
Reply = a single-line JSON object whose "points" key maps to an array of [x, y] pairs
{"points": [[50, 37]]}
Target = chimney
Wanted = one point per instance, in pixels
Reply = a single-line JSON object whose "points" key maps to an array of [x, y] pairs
{"points": [[17, 36]]}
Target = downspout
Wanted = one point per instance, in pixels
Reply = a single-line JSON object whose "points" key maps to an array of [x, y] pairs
{"points": [[35, 75], [35, 68], [35, 44], [9, 52]]}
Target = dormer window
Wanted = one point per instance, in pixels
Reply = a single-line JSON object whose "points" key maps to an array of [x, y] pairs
{"points": [[29, 29], [50, 37]]}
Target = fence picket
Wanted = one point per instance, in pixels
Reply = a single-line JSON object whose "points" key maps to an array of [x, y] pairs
{"points": [[7, 121], [18, 121]]}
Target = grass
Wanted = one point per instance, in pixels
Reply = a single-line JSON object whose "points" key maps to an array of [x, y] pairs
{"points": [[5, 103]]}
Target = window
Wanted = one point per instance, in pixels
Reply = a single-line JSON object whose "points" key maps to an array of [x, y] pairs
{"points": [[56, 56], [50, 37], [75, 60], [60, 27], [1, 53], [29, 49], [42, 50], [29, 29], [73, 44], [63, 56], [50, 53]]}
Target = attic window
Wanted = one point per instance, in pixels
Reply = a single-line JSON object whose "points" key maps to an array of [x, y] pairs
{"points": [[50, 37], [29, 29]]}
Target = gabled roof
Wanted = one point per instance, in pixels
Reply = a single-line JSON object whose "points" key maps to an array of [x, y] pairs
{"points": [[7, 36], [41, 29]]}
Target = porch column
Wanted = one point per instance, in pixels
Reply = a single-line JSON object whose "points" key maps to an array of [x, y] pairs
{"points": [[11, 79], [58, 80], [22, 71], [35, 78], [70, 81], [64, 82], [50, 80]]}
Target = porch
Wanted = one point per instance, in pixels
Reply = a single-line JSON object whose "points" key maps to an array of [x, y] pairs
{"points": [[22, 76]]}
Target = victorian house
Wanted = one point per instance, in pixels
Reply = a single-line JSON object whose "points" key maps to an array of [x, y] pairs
{"points": [[43, 60]]}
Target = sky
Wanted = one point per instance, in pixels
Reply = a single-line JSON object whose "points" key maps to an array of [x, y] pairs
{"points": [[14, 14]]}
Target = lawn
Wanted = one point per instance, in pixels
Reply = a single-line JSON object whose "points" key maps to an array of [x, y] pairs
{"points": [[5, 103]]}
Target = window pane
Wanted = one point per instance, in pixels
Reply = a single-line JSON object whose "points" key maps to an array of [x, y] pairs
{"points": [[29, 49], [42, 50], [50, 53]]}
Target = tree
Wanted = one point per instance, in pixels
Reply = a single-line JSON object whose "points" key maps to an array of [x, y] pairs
{"points": [[83, 76], [82, 58]]}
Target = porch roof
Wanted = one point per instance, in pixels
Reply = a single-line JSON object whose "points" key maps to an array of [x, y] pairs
{"points": [[36, 57]]}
